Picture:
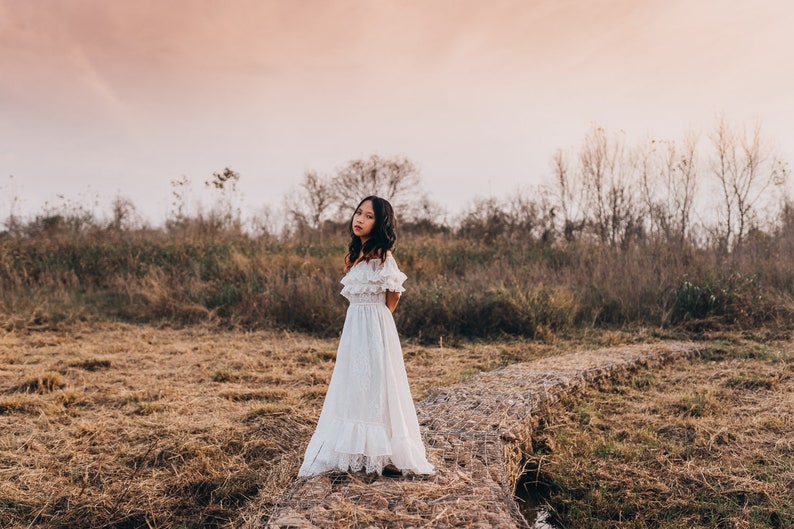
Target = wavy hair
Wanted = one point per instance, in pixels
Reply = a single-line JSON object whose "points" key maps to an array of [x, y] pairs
{"points": [[382, 237]]}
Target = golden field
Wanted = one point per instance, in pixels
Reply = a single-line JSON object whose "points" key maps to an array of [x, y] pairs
{"points": [[118, 425]]}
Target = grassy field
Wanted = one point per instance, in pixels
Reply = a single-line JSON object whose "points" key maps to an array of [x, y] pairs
{"points": [[116, 425], [700, 444]]}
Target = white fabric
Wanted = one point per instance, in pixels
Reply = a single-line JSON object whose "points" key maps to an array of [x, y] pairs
{"points": [[368, 418]]}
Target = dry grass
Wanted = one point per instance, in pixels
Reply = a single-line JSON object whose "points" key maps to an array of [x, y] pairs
{"points": [[703, 444], [474, 432], [460, 288], [112, 425]]}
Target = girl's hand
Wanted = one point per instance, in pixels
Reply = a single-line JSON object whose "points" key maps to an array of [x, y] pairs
{"points": [[392, 298]]}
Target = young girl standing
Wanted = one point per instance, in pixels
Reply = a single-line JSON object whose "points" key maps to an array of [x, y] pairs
{"points": [[368, 420]]}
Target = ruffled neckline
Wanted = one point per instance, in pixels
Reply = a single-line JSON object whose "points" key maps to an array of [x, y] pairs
{"points": [[377, 275], [364, 261]]}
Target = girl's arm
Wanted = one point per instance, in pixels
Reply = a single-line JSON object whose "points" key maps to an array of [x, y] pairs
{"points": [[392, 298]]}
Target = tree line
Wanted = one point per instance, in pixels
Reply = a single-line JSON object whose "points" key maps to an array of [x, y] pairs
{"points": [[715, 191]]}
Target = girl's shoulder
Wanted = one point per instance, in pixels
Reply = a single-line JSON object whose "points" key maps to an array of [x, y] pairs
{"points": [[379, 256], [388, 258]]}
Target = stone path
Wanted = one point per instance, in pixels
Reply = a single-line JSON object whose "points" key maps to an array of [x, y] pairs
{"points": [[475, 433]]}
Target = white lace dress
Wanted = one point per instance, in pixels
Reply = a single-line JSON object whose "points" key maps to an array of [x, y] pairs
{"points": [[368, 418]]}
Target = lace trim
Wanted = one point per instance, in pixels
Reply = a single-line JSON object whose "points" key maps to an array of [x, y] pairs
{"points": [[356, 463], [370, 464]]}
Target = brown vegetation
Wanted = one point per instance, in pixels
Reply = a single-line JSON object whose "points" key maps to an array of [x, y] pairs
{"points": [[458, 287], [174, 427], [693, 445]]}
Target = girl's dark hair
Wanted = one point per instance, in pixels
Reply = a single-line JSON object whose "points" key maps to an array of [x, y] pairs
{"points": [[382, 237]]}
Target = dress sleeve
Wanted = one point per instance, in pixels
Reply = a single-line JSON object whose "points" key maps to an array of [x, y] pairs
{"points": [[391, 278]]}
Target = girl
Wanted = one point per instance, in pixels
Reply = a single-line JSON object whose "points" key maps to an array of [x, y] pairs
{"points": [[368, 420]]}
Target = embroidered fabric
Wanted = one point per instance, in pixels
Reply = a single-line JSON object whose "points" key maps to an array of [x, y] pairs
{"points": [[368, 418]]}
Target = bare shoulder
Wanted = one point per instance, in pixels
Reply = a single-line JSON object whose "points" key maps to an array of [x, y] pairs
{"points": [[388, 255]]}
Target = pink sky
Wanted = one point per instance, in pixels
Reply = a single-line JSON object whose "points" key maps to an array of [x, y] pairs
{"points": [[112, 98]]}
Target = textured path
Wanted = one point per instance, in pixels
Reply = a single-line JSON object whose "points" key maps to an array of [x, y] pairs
{"points": [[475, 432]]}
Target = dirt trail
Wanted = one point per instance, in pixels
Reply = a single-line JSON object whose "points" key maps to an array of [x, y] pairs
{"points": [[475, 432]]}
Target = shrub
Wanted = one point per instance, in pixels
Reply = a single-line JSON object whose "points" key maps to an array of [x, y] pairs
{"points": [[691, 301]]}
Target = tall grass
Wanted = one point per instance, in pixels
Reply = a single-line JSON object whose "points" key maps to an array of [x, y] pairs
{"points": [[458, 286]]}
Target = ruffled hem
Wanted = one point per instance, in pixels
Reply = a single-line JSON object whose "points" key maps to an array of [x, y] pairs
{"points": [[358, 288], [361, 446], [360, 438]]}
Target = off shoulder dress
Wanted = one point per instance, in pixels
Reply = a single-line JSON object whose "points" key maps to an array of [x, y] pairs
{"points": [[368, 419]]}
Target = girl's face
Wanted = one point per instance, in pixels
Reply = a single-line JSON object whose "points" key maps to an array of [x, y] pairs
{"points": [[364, 220]]}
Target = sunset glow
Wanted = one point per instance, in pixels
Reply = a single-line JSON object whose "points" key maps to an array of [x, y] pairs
{"points": [[121, 98]]}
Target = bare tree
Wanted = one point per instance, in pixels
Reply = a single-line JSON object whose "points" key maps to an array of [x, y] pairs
{"points": [[425, 215], [125, 215], [669, 178], [485, 219], [530, 215], [523, 215], [268, 222], [395, 179], [570, 197], [744, 167], [608, 171], [310, 204], [319, 197]]}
